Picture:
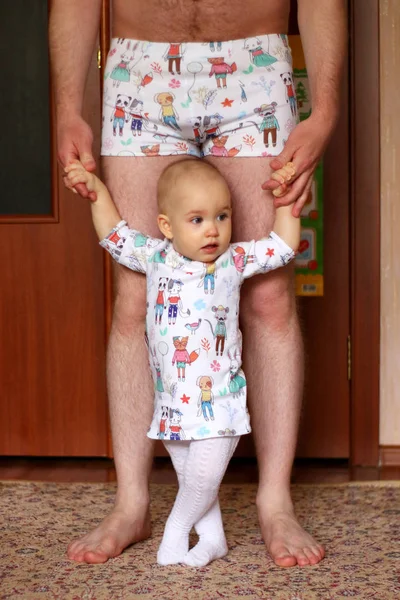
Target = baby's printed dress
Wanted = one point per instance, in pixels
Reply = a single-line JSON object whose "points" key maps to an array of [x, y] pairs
{"points": [[192, 330]]}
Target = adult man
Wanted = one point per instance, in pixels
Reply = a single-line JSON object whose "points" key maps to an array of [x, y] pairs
{"points": [[269, 320]]}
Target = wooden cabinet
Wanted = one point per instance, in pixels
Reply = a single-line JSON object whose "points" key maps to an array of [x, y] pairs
{"points": [[52, 350]]}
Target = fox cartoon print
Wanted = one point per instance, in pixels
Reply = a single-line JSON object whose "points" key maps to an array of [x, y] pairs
{"points": [[181, 356]]}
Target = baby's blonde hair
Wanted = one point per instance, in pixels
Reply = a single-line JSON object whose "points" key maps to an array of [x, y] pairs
{"points": [[173, 174]]}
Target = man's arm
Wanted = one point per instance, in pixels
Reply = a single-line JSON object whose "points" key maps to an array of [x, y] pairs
{"points": [[323, 29], [73, 29]]}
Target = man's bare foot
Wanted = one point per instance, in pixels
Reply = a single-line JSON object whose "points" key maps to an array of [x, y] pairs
{"points": [[115, 533], [287, 542]]}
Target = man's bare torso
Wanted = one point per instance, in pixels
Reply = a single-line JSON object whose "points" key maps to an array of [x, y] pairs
{"points": [[198, 20]]}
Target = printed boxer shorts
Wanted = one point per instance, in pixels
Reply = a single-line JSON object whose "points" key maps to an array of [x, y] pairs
{"points": [[224, 99]]}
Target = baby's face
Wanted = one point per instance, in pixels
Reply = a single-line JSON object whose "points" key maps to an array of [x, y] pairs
{"points": [[201, 218]]}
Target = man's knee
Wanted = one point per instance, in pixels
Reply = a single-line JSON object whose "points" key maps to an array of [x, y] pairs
{"points": [[269, 299]]}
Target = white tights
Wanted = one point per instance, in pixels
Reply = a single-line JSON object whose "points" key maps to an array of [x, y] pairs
{"points": [[200, 466]]}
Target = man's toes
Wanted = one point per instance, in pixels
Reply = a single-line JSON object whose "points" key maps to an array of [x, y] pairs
{"points": [[302, 559], [312, 557], [95, 557], [318, 551], [75, 551], [283, 558]]}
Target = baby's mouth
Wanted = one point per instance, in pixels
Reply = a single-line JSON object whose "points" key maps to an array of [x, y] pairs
{"points": [[210, 247]]}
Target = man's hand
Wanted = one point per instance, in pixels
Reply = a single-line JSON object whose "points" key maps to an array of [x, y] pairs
{"points": [[304, 149], [75, 140]]}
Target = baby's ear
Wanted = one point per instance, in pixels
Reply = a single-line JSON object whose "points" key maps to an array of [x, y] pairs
{"points": [[164, 226]]}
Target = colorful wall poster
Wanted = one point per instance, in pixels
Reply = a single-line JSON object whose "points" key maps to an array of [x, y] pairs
{"points": [[309, 260]]}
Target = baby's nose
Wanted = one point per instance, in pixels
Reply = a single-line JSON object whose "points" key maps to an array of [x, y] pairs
{"points": [[212, 230]]}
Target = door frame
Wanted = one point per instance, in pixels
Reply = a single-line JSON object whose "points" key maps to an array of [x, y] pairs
{"points": [[364, 232], [364, 226]]}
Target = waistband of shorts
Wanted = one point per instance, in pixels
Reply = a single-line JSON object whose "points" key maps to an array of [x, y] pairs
{"points": [[264, 38]]}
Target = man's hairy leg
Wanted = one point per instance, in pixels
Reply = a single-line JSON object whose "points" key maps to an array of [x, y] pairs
{"points": [[132, 183], [273, 363]]}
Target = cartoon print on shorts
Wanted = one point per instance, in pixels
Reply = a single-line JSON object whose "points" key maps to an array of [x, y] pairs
{"points": [[120, 114], [173, 55], [182, 75], [211, 126], [212, 46], [175, 430], [220, 69], [207, 280], [243, 96], [287, 79], [258, 55], [206, 397], [236, 382], [219, 333], [168, 114], [206, 130], [175, 302], [218, 147], [269, 124], [121, 73], [181, 356], [198, 134], [156, 364], [163, 429], [153, 150], [136, 115], [161, 300]]}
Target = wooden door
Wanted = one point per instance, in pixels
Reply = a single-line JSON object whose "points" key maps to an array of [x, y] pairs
{"points": [[52, 376]]}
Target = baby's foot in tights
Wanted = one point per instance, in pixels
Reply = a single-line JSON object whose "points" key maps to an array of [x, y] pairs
{"points": [[174, 552], [207, 550]]}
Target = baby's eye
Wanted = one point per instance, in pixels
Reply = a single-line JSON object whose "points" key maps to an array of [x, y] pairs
{"points": [[222, 217], [196, 220]]}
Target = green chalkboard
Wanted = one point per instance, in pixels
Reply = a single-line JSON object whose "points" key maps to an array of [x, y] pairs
{"points": [[25, 152]]}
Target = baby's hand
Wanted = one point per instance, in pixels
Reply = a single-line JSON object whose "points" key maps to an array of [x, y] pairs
{"points": [[283, 176], [76, 173]]}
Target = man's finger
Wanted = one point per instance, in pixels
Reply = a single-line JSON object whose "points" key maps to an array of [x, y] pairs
{"points": [[88, 161], [286, 156], [66, 157]]}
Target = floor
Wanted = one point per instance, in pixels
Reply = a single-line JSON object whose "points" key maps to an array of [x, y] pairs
{"points": [[240, 470]]}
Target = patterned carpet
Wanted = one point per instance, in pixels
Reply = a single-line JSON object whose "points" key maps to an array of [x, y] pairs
{"points": [[358, 524]]}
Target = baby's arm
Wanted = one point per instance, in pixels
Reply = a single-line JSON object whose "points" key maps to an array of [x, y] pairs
{"points": [[104, 212], [286, 225]]}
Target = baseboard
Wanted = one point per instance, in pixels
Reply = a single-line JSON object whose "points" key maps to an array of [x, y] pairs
{"points": [[389, 456]]}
